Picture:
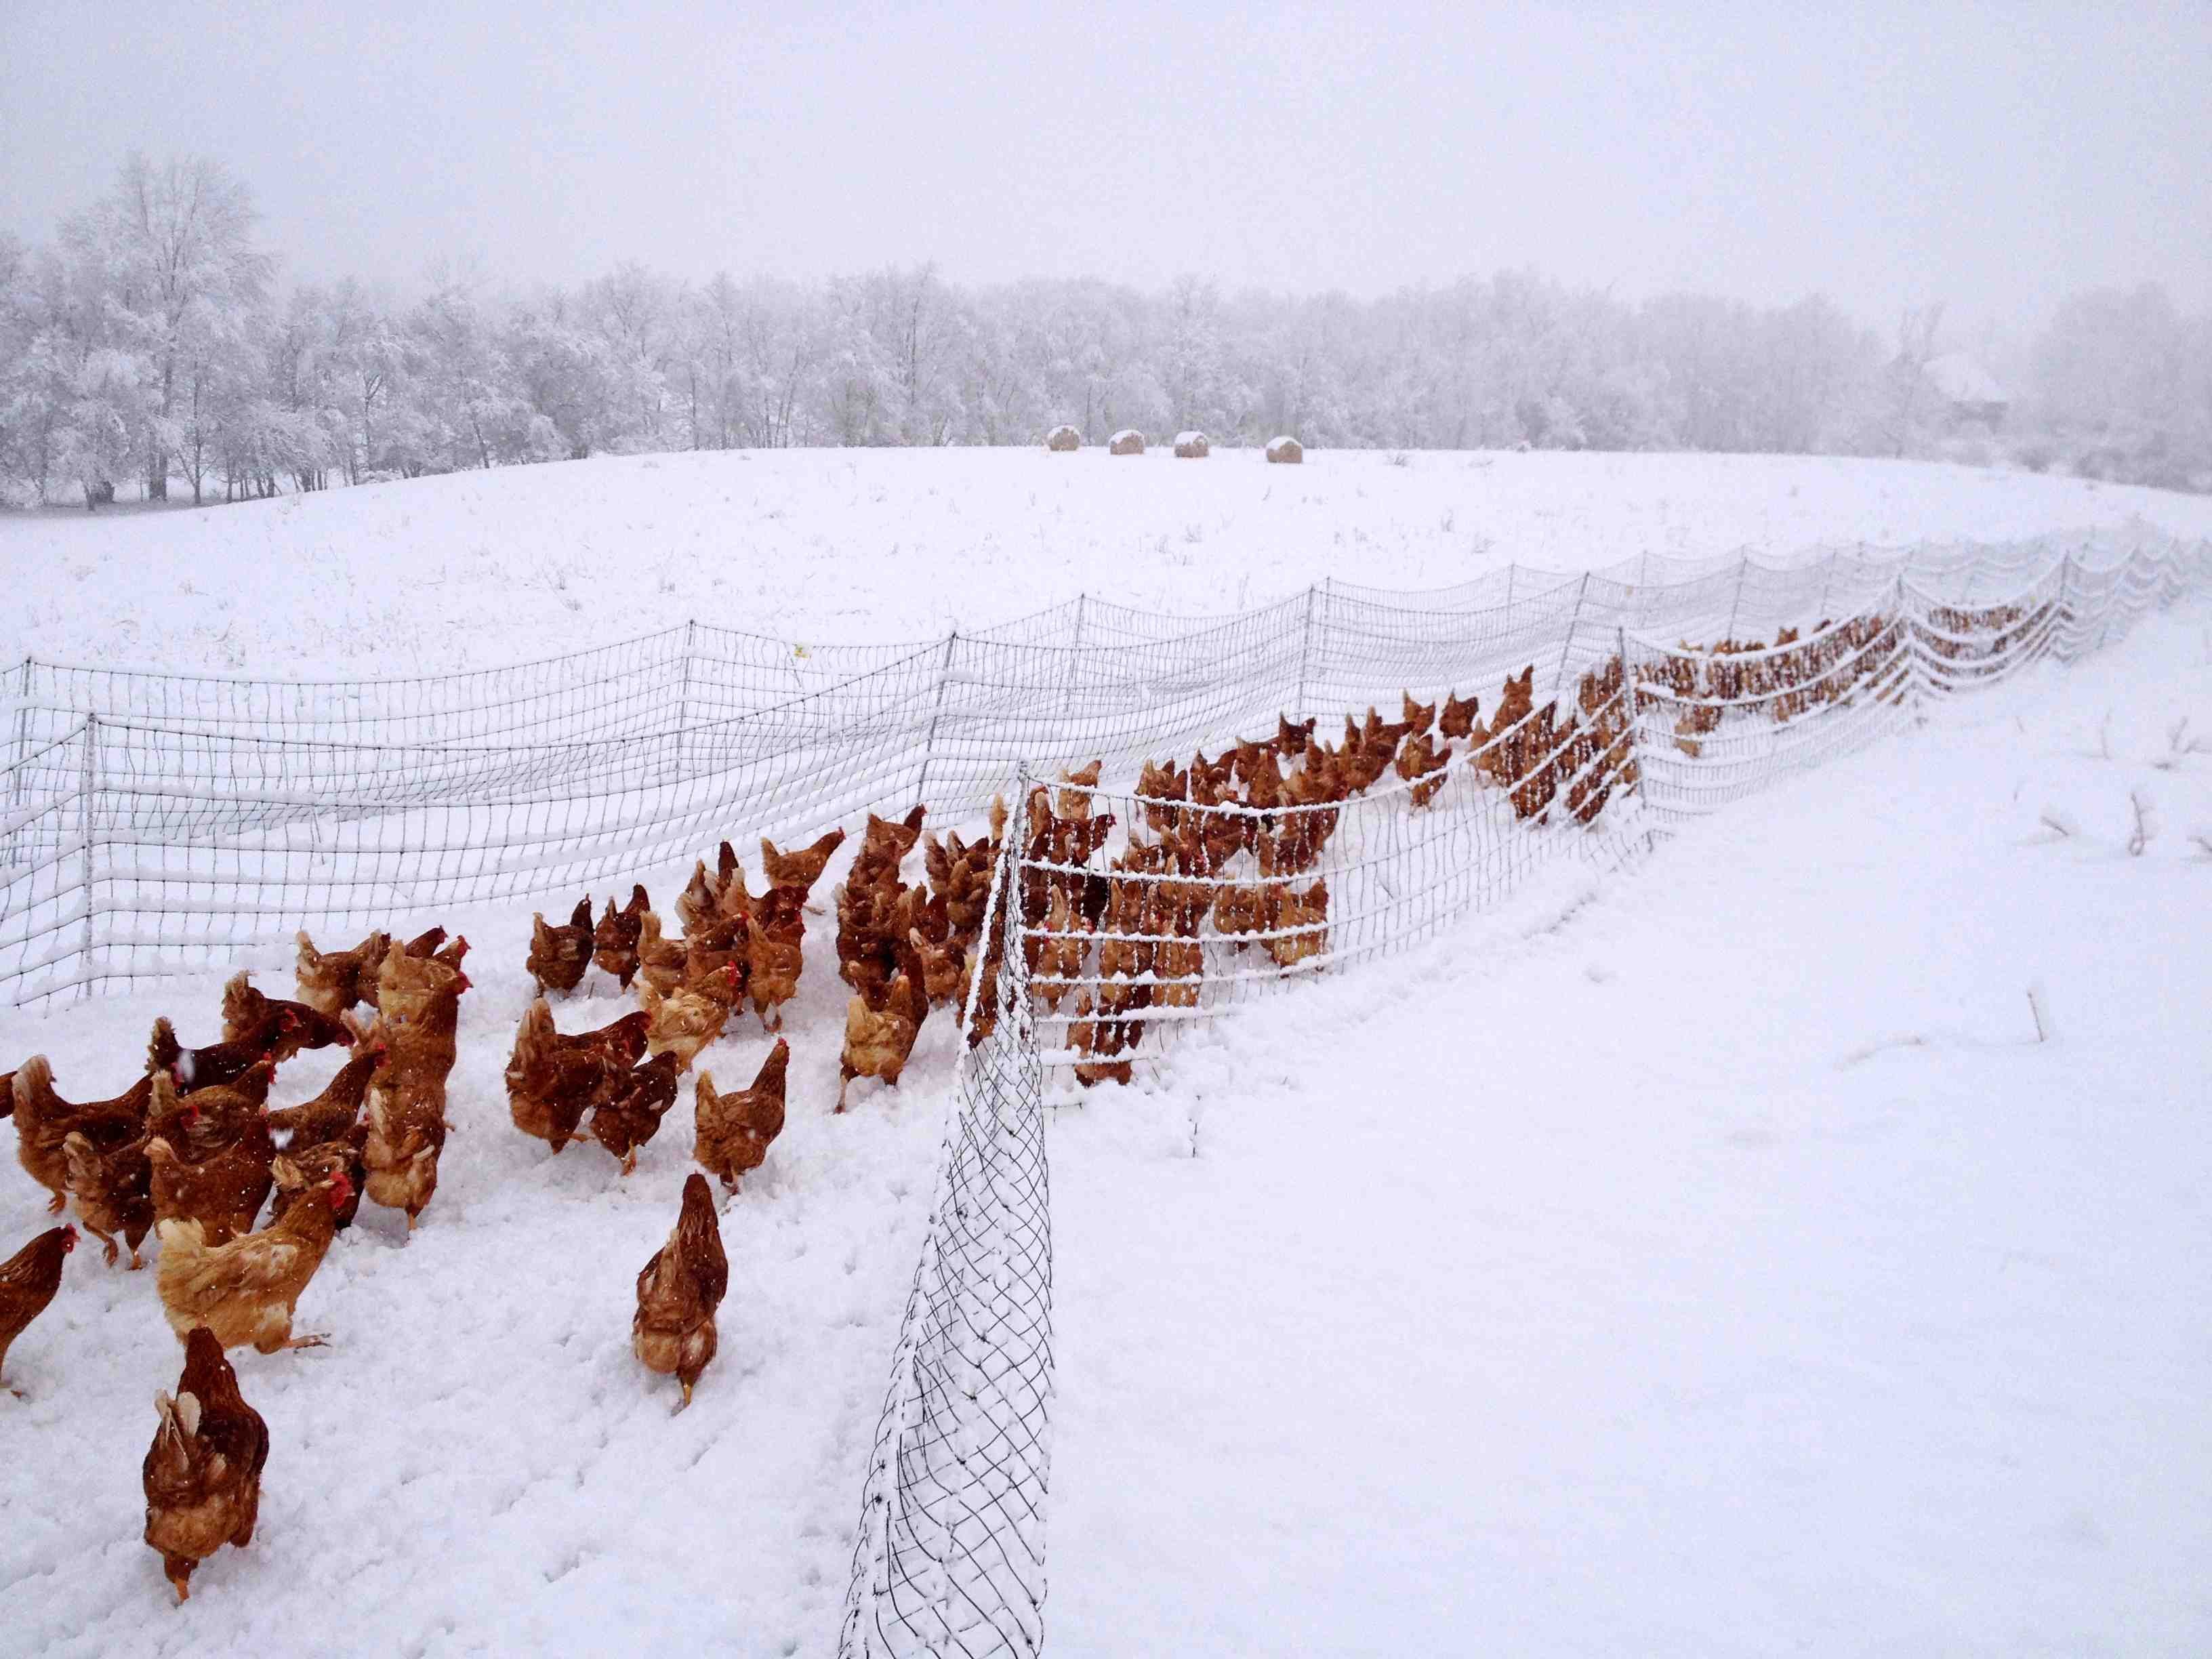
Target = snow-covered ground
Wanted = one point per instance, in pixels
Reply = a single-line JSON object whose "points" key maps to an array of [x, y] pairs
{"points": [[478, 1464], [1713, 1261], [852, 546], [1708, 1261]]}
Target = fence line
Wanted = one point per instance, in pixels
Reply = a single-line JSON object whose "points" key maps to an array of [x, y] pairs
{"points": [[181, 817], [1117, 937]]}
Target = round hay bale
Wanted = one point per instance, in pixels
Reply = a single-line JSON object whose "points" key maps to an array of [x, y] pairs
{"points": [[1125, 442], [1286, 452], [1063, 437], [1191, 445]]}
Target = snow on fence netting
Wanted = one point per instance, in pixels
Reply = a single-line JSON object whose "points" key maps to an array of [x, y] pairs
{"points": [[1121, 916], [155, 822]]}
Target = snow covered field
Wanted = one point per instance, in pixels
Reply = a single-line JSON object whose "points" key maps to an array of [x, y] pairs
{"points": [[851, 546], [1709, 1261], [1713, 1261], [478, 1464]]}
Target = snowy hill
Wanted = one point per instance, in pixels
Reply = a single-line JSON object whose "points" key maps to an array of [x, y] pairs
{"points": [[840, 546], [1706, 1260], [1709, 1261]]}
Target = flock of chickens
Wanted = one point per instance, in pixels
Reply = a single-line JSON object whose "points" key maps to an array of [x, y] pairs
{"points": [[1231, 838], [190, 1152]]}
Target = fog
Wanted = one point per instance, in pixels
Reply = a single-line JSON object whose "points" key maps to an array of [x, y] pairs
{"points": [[1996, 158]]}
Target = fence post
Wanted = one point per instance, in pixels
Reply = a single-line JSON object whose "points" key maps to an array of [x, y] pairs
{"points": [[1742, 570], [2066, 603], [1074, 660], [683, 697], [1635, 709], [23, 730], [1305, 654], [1568, 644], [87, 781], [936, 714], [2104, 621], [1922, 682]]}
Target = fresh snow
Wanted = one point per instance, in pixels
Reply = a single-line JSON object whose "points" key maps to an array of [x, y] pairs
{"points": [[1706, 1261], [868, 546], [478, 1463], [1703, 1262]]}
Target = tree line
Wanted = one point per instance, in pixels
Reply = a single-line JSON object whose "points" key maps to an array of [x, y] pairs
{"points": [[149, 345]]}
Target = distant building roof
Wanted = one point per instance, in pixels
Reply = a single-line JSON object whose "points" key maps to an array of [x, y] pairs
{"points": [[1961, 380]]}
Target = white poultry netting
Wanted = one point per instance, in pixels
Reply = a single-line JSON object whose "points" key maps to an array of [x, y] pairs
{"points": [[150, 823], [1127, 915]]}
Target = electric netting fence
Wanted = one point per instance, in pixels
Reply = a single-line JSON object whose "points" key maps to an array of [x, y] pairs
{"points": [[152, 822], [1122, 915], [1535, 722]]}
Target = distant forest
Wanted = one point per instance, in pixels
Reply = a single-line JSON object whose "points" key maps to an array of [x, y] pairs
{"points": [[150, 347]]}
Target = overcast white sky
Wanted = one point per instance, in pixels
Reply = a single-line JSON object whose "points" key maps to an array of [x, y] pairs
{"points": [[1997, 156]]}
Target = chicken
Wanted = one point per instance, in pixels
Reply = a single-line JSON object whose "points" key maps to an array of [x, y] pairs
{"points": [[775, 954], [420, 1000], [800, 869], [1419, 716], [701, 901], [943, 967], [1286, 910], [1240, 912], [285, 1030], [220, 1183], [717, 960], [334, 982], [734, 1130], [44, 1121], [661, 962], [299, 1172], [879, 1037], [1178, 962], [678, 1291], [1057, 952], [246, 1010], [960, 872], [631, 1113], [331, 1115], [203, 1473], [615, 940], [553, 1080], [431, 944], [874, 910], [1076, 803], [1458, 720], [1261, 772], [1515, 705], [686, 1023], [421, 995], [114, 1189], [1421, 756], [28, 1280], [1099, 1041], [886, 840], [1157, 786], [246, 1290], [559, 955]]}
